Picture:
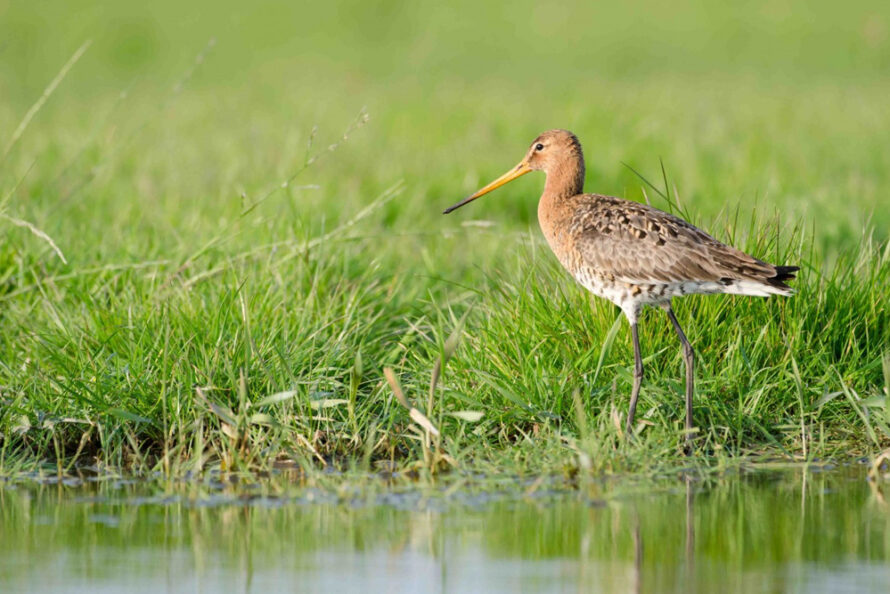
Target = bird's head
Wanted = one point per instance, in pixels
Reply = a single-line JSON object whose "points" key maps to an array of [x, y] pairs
{"points": [[555, 152]]}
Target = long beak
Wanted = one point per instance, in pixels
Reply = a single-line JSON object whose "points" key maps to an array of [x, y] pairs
{"points": [[517, 171]]}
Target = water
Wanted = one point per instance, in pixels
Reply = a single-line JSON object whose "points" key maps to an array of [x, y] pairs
{"points": [[792, 530]]}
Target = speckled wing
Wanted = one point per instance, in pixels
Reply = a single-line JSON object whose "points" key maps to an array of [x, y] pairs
{"points": [[633, 243]]}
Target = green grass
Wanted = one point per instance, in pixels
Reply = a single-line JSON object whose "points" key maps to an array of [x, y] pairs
{"points": [[195, 287]]}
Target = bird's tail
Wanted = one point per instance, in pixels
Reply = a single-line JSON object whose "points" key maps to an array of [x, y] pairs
{"points": [[764, 286], [783, 274]]}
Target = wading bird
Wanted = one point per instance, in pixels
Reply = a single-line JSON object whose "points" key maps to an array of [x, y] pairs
{"points": [[633, 254]]}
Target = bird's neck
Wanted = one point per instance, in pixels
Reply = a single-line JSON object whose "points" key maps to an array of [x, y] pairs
{"points": [[565, 179]]}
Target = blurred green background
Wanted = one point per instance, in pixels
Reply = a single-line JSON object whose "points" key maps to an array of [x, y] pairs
{"points": [[782, 104]]}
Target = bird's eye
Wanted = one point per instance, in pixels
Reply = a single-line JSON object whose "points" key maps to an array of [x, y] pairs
{"points": [[539, 147]]}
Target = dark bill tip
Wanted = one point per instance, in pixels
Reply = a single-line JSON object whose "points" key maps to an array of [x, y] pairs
{"points": [[454, 207]]}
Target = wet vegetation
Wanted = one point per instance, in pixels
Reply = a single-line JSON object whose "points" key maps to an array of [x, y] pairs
{"points": [[786, 529]]}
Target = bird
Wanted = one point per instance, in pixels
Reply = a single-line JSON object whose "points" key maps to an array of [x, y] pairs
{"points": [[633, 254]]}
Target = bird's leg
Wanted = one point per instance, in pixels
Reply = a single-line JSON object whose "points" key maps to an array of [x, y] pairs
{"points": [[689, 359], [638, 379]]}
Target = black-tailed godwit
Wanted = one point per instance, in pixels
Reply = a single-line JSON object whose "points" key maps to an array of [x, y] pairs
{"points": [[633, 254]]}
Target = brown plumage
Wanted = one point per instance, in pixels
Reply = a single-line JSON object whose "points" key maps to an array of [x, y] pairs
{"points": [[631, 253]]}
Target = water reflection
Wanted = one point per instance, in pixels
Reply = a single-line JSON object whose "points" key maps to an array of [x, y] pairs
{"points": [[789, 531]]}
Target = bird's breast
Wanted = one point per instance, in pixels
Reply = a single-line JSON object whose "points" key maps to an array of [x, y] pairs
{"points": [[556, 227]]}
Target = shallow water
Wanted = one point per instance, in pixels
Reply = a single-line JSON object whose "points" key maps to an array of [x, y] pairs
{"points": [[791, 530]]}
